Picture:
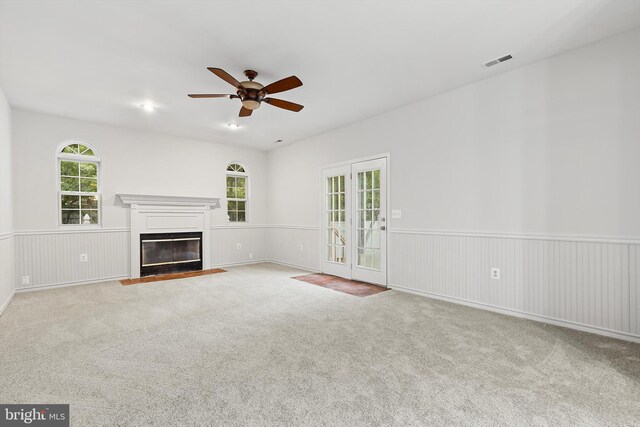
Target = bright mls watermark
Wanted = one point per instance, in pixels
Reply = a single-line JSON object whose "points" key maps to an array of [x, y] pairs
{"points": [[34, 415]]}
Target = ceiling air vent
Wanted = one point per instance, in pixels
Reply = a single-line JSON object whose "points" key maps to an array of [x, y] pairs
{"points": [[497, 61]]}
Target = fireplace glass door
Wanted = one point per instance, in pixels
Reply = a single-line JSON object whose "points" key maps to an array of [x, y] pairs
{"points": [[170, 252]]}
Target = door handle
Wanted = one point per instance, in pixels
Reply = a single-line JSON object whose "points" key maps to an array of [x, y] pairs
{"points": [[383, 228]]}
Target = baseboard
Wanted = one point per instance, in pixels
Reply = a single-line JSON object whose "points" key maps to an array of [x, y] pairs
{"points": [[288, 264], [67, 284], [241, 263], [6, 303], [515, 313]]}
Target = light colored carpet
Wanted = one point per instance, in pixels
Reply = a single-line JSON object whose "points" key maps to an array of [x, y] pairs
{"points": [[254, 347]]}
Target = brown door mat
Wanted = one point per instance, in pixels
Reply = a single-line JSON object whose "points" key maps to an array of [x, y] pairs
{"points": [[351, 287], [126, 282]]}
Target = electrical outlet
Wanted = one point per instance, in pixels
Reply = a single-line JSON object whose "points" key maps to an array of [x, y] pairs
{"points": [[250, 255], [238, 246], [495, 273], [84, 257], [26, 280], [301, 247]]}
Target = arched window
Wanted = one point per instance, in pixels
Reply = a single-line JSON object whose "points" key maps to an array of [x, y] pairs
{"points": [[237, 192], [79, 184]]}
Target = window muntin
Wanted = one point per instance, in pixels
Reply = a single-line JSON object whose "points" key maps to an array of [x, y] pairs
{"points": [[79, 192], [235, 167], [336, 215], [237, 193]]}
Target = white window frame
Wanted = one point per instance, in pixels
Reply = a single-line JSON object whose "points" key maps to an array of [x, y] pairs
{"points": [[245, 175], [96, 159]]}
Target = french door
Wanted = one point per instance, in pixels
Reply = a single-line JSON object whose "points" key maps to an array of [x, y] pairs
{"points": [[354, 221]]}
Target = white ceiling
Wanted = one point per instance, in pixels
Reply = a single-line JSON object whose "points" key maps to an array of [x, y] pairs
{"points": [[100, 60]]}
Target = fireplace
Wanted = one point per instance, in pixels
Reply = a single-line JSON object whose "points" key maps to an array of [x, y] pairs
{"points": [[163, 253]]}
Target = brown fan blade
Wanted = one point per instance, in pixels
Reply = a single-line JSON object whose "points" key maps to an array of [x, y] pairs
{"points": [[282, 85], [244, 112], [208, 95], [225, 76], [284, 104]]}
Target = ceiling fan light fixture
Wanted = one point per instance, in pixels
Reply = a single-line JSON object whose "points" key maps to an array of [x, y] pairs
{"points": [[251, 104], [252, 93], [251, 85]]}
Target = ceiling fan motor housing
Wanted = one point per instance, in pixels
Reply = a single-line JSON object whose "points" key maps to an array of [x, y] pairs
{"points": [[251, 94]]}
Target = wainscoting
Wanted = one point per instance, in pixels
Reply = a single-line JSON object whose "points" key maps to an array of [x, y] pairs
{"points": [[580, 282], [634, 289], [591, 284], [226, 238], [53, 257], [7, 269], [295, 246]]}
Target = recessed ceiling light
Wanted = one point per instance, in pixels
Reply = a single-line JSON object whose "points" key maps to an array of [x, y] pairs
{"points": [[233, 126], [147, 106]]}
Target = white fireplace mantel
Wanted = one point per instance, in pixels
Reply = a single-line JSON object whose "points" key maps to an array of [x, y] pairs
{"points": [[169, 214], [153, 200]]}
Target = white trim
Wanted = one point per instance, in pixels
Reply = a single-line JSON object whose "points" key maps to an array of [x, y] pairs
{"points": [[157, 200], [97, 159], [238, 225], [516, 313], [295, 227], [498, 235], [70, 141], [7, 236], [240, 263], [74, 230], [67, 284], [386, 155], [245, 173], [247, 191], [288, 264], [6, 303]]}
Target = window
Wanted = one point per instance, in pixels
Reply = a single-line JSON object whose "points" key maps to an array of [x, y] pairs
{"points": [[237, 193], [79, 184]]}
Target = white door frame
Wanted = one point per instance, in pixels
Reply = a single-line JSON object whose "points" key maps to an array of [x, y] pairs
{"points": [[322, 170], [332, 267]]}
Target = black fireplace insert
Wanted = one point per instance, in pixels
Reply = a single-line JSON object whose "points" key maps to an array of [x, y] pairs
{"points": [[164, 253]]}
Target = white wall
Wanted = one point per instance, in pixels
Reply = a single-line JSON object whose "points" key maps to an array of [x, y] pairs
{"points": [[6, 201], [550, 148], [7, 282], [534, 171], [132, 162]]}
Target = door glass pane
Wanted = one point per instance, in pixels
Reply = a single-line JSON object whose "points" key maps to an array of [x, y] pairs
{"points": [[376, 259], [368, 219], [336, 226]]}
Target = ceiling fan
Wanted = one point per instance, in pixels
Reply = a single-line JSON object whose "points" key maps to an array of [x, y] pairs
{"points": [[252, 94]]}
